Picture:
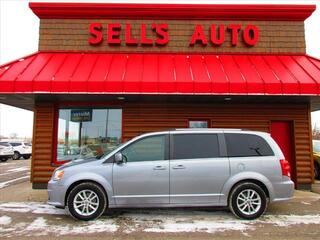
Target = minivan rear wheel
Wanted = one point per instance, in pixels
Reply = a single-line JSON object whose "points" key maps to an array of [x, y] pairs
{"points": [[248, 201], [86, 201]]}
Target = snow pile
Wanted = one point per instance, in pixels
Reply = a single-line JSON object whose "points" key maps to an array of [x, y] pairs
{"points": [[5, 220], [42, 227], [31, 207], [200, 226]]}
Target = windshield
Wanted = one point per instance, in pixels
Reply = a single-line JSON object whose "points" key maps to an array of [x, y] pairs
{"points": [[316, 146], [109, 151]]}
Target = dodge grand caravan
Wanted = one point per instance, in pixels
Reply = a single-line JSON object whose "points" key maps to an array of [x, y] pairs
{"points": [[244, 170]]}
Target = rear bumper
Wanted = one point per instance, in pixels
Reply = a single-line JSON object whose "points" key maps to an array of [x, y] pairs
{"points": [[56, 194], [283, 191], [25, 152]]}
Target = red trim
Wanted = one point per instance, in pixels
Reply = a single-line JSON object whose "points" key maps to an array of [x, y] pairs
{"points": [[270, 12], [55, 162]]}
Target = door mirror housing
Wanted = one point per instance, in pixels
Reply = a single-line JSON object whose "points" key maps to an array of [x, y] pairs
{"points": [[118, 158]]}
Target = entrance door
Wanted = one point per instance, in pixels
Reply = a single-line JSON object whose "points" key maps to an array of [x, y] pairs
{"points": [[281, 132]]}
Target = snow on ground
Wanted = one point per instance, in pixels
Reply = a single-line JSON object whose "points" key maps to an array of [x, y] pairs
{"points": [[30, 207], [127, 221]]}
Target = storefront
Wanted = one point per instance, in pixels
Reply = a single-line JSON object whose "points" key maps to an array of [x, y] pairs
{"points": [[105, 73]]}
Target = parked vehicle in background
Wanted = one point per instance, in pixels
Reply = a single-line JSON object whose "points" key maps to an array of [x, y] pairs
{"points": [[21, 149], [244, 170], [6, 151], [316, 158]]}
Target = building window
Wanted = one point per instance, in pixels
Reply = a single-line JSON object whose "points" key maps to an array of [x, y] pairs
{"points": [[87, 132], [198, 124]]}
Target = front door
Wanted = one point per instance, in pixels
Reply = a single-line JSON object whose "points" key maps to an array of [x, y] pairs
{"points": [[143, 179], [281, 132], [197, 170]]}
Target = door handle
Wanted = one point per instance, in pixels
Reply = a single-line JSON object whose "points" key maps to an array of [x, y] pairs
{"points": [[178, 167], [159, 168]]}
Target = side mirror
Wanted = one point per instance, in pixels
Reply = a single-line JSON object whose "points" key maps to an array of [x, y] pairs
{"points": [[118, 158]]}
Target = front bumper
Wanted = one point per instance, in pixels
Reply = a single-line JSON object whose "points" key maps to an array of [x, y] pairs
{"points": [[56, 194]]}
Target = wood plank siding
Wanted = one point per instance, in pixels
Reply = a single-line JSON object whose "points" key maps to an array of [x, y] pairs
{"points": [[42, 147], [145, 117]]}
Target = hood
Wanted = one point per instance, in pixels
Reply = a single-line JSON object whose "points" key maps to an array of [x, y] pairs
{"points": [[78, 162]]}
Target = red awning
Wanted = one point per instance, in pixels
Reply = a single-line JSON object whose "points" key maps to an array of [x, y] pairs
{"points": [[144, 73]]}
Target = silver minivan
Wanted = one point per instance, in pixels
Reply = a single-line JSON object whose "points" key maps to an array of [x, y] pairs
{"points": [[242, 170]]}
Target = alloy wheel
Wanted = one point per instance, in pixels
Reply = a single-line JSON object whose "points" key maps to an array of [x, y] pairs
{"points": [[86, 202], [248, 202]]}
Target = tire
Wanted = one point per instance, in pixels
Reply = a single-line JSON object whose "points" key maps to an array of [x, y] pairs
{"points": [[99, 201], [26, 157], [3, 159], [316, 171], [248, 211], [16, 155]]}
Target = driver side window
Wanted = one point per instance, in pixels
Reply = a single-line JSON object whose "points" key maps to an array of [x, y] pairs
{"points": [[147, 149]]}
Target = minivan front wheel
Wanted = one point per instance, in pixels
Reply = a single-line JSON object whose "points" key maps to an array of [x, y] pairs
{"points": [[248, 201], [87, 201]]}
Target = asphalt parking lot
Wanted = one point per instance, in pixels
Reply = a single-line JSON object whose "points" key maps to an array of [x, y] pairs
{"points": [[14, 171], [24, 214]]}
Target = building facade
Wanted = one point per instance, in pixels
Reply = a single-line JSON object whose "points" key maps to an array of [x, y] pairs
{"points": [[105, 73]]}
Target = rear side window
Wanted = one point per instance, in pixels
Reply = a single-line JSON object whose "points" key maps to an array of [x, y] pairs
{"points": [[15, 144], [247, 145], [189, 146]]}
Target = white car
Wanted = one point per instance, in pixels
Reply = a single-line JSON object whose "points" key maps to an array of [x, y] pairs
{"points": [[6, 151], [21, 149]]}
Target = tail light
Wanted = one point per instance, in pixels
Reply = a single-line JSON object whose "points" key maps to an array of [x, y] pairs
{"points": [[285, 167]]}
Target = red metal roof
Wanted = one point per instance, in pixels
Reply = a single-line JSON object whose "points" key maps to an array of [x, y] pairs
{"points": [[271, 12], [162, 74]]}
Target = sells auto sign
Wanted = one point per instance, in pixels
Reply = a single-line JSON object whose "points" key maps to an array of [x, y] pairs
{"points": [[215, 35]]}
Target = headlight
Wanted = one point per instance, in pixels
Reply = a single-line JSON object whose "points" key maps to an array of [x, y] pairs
{"points": [[58, 175]]}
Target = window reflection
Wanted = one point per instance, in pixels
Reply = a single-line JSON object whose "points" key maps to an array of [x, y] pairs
{"points": [[198, 124], [87, 132]]}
